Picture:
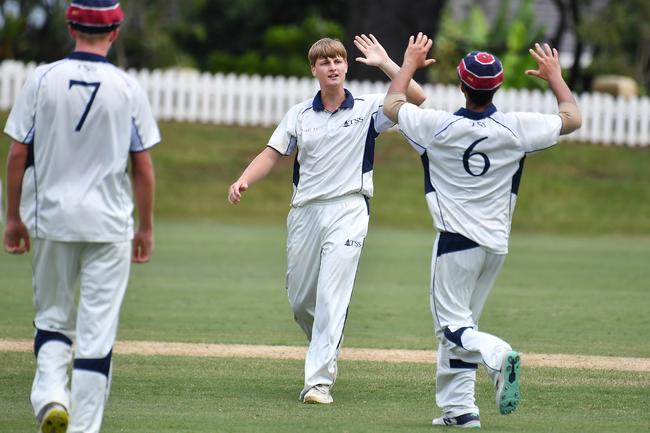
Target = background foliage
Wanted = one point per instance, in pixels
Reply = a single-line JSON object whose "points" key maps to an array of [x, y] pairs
{"points": [[272, 36], [508, 36], [620, 36]]}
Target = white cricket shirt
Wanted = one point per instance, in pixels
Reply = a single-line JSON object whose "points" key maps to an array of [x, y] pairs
{"points": [[81, 116], [335, 151], [473, 164]]}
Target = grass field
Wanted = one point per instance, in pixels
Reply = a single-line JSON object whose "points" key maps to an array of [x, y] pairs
{"points": [[224, 283], [198, 395], [576, 281], [570, 189]]}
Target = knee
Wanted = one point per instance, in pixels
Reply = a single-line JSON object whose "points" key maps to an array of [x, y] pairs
{"points": [[306, 322], [43, 336], [98, 365], [302, 316], [454, 335]]}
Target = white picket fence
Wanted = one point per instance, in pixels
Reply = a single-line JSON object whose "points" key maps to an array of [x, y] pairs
{"points": [[187, 95]]}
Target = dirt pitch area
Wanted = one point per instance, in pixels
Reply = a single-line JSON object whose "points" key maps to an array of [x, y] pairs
{"points": [[351, 354]]}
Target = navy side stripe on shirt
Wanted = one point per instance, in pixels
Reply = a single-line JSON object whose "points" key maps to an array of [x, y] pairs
{"points": [[369, 150], [516, 179], [428, 186]]}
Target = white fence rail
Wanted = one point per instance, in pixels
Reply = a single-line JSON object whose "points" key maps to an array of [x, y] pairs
{"points": [[186, 95]]}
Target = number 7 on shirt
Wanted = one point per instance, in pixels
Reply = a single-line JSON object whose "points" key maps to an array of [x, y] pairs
{"points": [[90, 102]]}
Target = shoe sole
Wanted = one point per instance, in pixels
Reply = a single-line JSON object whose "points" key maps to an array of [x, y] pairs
{"points": [[439, 422], [468, 425], [510, 396], [56, 421]]}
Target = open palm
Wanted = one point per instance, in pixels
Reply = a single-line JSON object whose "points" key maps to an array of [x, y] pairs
{"points": [[374, 52]]}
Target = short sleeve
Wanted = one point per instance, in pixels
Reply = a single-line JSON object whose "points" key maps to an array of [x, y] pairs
{"points": [[20, 123], [538, 131], [144, 129], [381, 122], [418, 125], [284, 138]]}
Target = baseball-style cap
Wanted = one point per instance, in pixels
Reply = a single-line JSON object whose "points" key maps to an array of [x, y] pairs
{"points": [[94, 16], [480, 71]]}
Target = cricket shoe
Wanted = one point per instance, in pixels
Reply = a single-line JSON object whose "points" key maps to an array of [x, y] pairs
{"points": [[53, 419], [319, 394], [508, 383], [467, 420]]}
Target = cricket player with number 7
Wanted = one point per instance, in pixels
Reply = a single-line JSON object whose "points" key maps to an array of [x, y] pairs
{"points": [[75, 126], [332, 136], [473, 161]]}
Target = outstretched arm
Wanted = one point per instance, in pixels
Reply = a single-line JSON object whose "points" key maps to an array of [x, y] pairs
{"points": [[16, 238], [375, 55], [415, 57], [256, 170], [549, 69]]}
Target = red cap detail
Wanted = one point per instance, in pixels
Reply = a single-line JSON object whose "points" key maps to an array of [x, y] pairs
{"points": [[95, 17], [476, 82], [484, 58]]}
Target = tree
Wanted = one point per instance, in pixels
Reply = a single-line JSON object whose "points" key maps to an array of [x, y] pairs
{"points": [[571, 17], [272, 35], [620, 36], [509, 37], [150, 31], [392, 22], [24, 21], [35, 30], [282, 51]]}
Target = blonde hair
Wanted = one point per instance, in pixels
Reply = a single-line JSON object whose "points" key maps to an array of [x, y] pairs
{"points": [[326, 48]]}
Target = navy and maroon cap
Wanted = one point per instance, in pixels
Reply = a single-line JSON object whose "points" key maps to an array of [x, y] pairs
{"points": [[480, 71], [94, 16]]}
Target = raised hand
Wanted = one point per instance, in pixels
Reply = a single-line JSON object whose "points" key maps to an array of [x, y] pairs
{"points": [[548, 61], [417, 50], [374, 52]]}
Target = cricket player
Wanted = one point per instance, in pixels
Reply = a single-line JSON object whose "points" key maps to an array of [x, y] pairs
{"points": [[473, 161], [332, 136], [75, 125]]}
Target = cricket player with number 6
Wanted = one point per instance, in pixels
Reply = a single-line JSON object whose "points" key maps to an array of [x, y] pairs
{"points": [[473, 161], [332, 136], [75, 125]]}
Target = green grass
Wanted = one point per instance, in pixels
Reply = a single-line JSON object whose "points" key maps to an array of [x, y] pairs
{"points": [[572, 188], [576, 281], [193, 395], [224, 283]]}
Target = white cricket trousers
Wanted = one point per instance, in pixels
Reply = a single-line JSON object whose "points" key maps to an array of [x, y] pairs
{"points": [[323, 249], [462, 276], [102, 270]]}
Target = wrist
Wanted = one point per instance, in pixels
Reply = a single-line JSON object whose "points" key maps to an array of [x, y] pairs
{"points": [[409, 66], [555, 79], [145, 226], [13, 217], [389, 68]]}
